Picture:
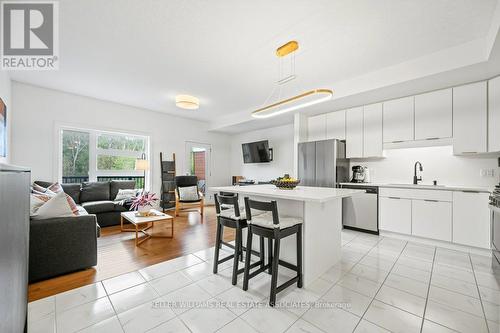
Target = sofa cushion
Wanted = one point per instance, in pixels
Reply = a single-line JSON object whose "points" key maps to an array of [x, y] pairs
{"points": [[97, 207], [121, 206], [73, 190], [94, 191], [116, 185]]}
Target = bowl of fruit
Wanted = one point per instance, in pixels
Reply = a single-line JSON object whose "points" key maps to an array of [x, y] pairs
{"points": [[286, 182]]}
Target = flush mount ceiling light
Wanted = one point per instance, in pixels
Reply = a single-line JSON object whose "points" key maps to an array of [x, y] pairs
{"points": [[187, 102], [286, 53]]}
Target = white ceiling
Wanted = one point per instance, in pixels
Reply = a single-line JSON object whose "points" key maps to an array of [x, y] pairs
{"points": [[144, 52]]}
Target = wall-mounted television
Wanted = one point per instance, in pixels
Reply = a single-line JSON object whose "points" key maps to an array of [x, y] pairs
{"points": [[257, 152]]}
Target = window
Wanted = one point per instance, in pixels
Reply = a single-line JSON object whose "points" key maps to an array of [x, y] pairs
{"points": [[90, 155], [75, 159]]}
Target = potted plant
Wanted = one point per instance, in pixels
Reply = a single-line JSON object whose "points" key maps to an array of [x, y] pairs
{"points": [[143, 203]]}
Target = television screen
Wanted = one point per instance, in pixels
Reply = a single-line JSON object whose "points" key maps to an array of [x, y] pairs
{"points": [[256, 152]]}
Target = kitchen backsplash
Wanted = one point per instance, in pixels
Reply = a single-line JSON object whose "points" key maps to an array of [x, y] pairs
{"points": [[439, 164]]}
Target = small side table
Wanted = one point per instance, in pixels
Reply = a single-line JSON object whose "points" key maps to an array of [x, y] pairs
{"points": [[142, 224]]}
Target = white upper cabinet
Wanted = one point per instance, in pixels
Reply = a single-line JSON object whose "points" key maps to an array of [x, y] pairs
{"points": [[335, 125], [398, 120], [372, 130], [433, 115], [354, 132], [494, 115], [316, 128], [470, 118]]}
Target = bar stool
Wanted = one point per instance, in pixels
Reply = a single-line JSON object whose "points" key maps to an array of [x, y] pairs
{"points": [[273, 227], [228, 215]]}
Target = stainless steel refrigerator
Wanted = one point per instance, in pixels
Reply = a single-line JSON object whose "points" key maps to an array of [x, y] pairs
{"points": [[323, 163]]}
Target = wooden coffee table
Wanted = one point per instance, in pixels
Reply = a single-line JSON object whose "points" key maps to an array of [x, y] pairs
{"points": [[142, 224]]}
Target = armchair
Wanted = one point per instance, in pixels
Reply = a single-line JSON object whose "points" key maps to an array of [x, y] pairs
{"points": [[187, 203]]}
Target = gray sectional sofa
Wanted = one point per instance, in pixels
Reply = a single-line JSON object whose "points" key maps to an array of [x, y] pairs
{"points": [[63, 245]]}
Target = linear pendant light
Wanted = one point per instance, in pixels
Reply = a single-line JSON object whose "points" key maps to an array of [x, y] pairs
{"points": [[300, 101], [306, 99]]}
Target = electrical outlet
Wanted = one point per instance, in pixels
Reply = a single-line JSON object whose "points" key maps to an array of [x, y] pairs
{"points": [[487, 173]]}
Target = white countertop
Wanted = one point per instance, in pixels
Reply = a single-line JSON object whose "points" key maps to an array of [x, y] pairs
{"points": [[426, 186], [300, 193]]}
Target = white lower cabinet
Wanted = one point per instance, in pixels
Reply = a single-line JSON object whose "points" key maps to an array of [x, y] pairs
{"points": [[461, 217], [471, 219], [431, 219], [395, 215]]}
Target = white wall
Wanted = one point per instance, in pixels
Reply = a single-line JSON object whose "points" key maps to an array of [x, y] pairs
{"points": [[439, 164], [280, 139], [39, 112], [5, 94]]}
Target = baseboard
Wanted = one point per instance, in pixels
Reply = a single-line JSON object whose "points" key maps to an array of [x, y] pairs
{"points": [[433, 242]]}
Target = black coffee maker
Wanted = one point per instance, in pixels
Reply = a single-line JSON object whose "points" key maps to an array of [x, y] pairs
{"points": [[358, 174]]}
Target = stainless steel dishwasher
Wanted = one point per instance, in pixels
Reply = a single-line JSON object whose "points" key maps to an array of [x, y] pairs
{"points": [[360, 212]]}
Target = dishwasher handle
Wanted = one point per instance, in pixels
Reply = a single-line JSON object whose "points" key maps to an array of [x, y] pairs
{"points": [[371, 190]]}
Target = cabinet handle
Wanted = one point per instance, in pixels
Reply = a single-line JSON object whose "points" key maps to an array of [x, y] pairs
{"points": [[469, 152], [432, 139], [398, 141], [470, 191], [394, 198], [428, 200]]}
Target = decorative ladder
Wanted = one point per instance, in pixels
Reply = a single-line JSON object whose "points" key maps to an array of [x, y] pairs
{"points": [[167, 183]]}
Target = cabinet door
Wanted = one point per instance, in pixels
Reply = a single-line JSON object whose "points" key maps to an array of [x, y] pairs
{"points": [[395, 215], [471, 219], [433, 115], [431, 219], [494, 115], [470, 118], [372, 130], [335, 125], [354, 132], [316, 128], [398, 120]]}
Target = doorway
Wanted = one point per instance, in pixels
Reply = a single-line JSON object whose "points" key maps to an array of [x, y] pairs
{"points": [[198, 163]]}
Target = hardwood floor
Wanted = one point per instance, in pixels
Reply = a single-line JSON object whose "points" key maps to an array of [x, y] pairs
{"points": [[117, 253]]}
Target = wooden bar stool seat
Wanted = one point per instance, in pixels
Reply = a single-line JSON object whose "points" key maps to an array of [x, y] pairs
{"points": [[263, 220]]}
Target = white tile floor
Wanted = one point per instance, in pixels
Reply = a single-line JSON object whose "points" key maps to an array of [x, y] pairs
{"points": [[381, 285]]}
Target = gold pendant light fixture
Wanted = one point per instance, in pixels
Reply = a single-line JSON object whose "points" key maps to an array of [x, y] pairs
{"points": [[299, 101]]}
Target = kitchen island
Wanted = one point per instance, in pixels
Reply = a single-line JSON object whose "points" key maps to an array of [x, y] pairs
{"points": [[320, 209]]}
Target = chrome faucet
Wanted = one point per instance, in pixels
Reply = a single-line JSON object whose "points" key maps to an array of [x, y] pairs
{"points": [[415, 178]]}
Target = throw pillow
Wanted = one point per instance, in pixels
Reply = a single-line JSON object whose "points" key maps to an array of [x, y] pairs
{"points": [[37, 200], [60, 205], [40, 189], [188, 193], [125, 194], [56, 188]]}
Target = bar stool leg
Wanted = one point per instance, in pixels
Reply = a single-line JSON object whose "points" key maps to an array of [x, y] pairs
{"points": [[218, 244], [270, 254], [261, 254], [274, 276], [299, 257], [247, 258], [240, 249], [237, 245]]}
